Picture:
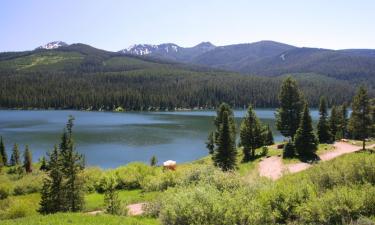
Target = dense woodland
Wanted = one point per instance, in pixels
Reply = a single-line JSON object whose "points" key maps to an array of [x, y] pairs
{"points": [[82, 77], [148, 90]]}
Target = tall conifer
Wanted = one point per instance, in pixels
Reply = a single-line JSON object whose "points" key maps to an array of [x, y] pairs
{"points": [[225, 152], [324, 133], [291, 105], [15, 157], [305, 141], [27, 163], [3, 153], [251, 134], [360, 123]]}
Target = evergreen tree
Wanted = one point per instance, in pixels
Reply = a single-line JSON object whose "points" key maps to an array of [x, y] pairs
{"points": [[225, 152], [43, 164], [72, 166], [289, 150], [219, 119], [3, 153], [63, 189], [305, 141], [27, 163], [153, 161], [372, 103], [1, 164], [268, 136], [210, 143], [111, 198], [343, 121], [360, 123], [291, 104], [251, 134], [52, 194], [15, 157], [324, 134], [334, 122]]}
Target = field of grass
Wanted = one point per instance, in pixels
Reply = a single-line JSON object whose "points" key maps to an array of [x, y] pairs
{"points": [[80, 219], [343, 186], [95, 201]]}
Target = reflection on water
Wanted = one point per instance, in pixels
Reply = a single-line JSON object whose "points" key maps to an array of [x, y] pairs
{"points": [[112, 139]]}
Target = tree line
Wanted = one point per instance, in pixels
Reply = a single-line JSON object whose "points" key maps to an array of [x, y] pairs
{"points": [[152, 89], [15, 158], [294, 122]]}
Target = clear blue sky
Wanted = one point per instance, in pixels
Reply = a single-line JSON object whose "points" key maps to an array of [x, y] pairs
{"points": [[116, 24]]}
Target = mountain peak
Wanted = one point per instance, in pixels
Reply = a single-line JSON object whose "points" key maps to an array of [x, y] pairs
{"points": [[205, 44], [53, 45]]}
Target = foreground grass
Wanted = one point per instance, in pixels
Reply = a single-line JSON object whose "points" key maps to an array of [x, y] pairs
{"points": [[95, 201], [80, 219]]}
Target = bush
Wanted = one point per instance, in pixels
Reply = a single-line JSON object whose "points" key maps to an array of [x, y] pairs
{"points": [[28, 184], [93, 176], [132, 175], [16, 208], [160, 182], [5, 190], [340, 205]]}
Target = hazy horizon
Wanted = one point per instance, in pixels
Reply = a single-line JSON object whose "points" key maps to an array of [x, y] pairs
{"points": [[115, 25]]}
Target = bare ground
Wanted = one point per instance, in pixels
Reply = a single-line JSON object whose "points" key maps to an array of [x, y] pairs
{"points": [[274, 168]]}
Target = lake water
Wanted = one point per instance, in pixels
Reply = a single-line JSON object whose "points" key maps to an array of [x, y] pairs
{"points": [[110, 139]]}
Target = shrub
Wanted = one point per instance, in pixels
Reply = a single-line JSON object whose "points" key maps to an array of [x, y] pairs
{"points": [[340, 205], [131, 176], [16, 208], [160, 182], [93, 176], [28, 184], [5, 190]]}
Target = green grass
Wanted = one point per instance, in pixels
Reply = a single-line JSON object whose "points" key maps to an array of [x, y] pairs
{"points": [[80, 219], [95, 201], [43, 61]]}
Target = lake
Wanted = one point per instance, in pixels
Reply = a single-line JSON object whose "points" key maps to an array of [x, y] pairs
{"points": [[110, 139]]}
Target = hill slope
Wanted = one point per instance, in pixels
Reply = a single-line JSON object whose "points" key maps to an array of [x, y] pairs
{"points": [[269, 58]]}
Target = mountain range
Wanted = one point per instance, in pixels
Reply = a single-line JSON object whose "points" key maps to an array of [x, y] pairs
{"points": [[268, 58], [263, 58]]}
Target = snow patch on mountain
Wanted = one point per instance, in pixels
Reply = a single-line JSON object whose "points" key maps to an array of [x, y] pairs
{"points": [[53, 45]]}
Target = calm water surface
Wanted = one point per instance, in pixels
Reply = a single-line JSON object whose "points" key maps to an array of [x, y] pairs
{"points": [[111, 139]]}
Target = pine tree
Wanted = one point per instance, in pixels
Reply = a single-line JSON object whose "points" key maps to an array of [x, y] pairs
{"points": [[15, 157], [305, 141], [334, 122], [72, 166], [324, 133], [52, 194], [27, 163], [111, 198], [251, 134], [343, 121], [3, 153], [153, 161], [268, 136], [289, 150], [291, 104], [1, 164], [225, 152], [372, 103], [210, 143], [219, 119], [43, 164], [360, 123], [63, 189]]}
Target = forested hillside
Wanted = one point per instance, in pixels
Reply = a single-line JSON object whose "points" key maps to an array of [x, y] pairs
{"points": [[82, 77], [269, 58]]}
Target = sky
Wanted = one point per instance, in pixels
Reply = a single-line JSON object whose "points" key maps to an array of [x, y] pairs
{"points": [[117, 24]]}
